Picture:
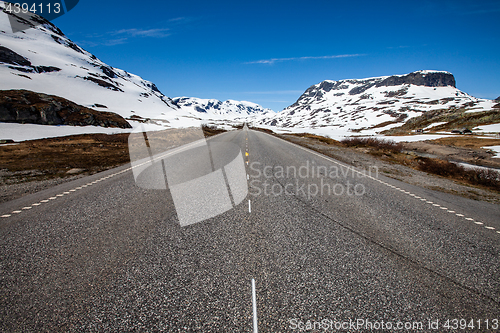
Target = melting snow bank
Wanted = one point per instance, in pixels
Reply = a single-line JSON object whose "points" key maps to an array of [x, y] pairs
{"points": [[496, 149], [339, 134], [23, 132], [468, 166]]}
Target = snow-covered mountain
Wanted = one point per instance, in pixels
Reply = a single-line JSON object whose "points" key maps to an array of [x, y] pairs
{"points": [[374, 103], [44, 60], [217, 109]]}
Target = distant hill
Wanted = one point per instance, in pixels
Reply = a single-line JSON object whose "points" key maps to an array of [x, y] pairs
{"points": [[376, 104]]}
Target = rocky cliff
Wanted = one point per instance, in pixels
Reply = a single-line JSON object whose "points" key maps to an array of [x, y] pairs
{"points": [[27, 107]]}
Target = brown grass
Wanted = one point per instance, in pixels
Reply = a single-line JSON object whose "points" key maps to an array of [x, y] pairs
{"points": [[467, 142], [317, 137], [379, 144], [211, 130], [265, 130], [488, 178], [55, 156]]}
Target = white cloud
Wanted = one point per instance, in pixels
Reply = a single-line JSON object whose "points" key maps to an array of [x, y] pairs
{"points": [[273, 60], [158, 33]]}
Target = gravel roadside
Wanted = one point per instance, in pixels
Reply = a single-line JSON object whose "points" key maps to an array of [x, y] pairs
{"points": [[359, 157]]}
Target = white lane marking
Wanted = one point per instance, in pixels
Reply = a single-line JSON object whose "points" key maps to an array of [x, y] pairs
{"points": [[249, 206], [373, 178], [254, 308], [480, 223], [69, 192], [101, 179], [248, 177]]}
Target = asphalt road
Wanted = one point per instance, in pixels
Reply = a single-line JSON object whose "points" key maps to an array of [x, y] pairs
{"points": [[339, 250]]}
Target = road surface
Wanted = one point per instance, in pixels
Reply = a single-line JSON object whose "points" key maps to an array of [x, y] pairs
{"points": [[101, 254]]}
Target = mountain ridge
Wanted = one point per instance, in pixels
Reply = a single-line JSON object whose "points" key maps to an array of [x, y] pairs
{"points": [[357, 105]]}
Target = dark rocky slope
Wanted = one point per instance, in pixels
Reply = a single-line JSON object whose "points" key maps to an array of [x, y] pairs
{"points": [[28, 107]]}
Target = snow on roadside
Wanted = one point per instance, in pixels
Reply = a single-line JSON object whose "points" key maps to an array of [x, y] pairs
{"points": [[23, 132], [496, 149], [493, 128]]}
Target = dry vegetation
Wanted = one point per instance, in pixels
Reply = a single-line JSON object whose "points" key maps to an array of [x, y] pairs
{"points": [[378, 144], [485, 177], [211, 130], [49, 158], [393, 151], [467, 142]]}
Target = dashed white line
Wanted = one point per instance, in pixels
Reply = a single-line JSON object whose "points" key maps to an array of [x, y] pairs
{"points": [[249, 206], [69, 192], [254, 308]]}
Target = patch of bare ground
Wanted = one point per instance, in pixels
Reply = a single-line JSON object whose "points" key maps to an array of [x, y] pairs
{"points": [[461, 149]]}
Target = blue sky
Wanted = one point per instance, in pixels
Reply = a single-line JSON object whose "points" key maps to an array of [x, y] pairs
{"points": [[269, 52]]}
